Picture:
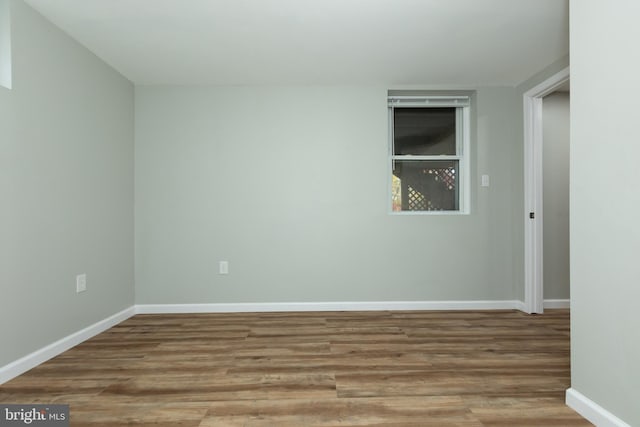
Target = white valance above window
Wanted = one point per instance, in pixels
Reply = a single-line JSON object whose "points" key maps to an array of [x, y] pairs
{"points": [[428, 101]]}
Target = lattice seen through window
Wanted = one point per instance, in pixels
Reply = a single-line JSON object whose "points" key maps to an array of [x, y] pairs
{"points": [[446, 175], [416, 200], [424, 189]]}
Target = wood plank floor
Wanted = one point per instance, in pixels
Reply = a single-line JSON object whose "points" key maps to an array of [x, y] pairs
{"points": [[470, 368]]}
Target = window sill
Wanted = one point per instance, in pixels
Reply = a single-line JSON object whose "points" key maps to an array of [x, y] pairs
{"points": [[428, 213]]}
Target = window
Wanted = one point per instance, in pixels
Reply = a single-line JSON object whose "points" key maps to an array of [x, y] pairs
{"points": [[429, 154]]}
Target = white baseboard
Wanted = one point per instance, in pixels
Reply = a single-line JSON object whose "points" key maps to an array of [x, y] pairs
{"points": [[32, 360], [548, 303], [590, 410], [325, 306], [557, 303]]}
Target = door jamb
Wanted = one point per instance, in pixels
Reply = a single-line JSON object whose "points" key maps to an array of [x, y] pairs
{"points": [[533, 265]]}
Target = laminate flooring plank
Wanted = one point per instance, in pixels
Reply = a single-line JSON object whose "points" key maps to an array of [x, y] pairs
{"points": [[441, 347], [419, 411], [209, 388], [98, 413], [450, 383], [348, 364], [53, 386], [493, 360], [523, 412], [275, 348]]}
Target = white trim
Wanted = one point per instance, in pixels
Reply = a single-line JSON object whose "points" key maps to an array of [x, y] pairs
{"points": [[32, 360], [590, 410], [465, 170], [557, 303], [326, 306], [533, 267]]}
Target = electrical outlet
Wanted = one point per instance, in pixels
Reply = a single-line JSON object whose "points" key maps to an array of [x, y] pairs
{"points": [[81, 282], [224, 267]]}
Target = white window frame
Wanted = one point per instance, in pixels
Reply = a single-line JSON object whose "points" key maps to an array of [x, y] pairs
{"points": [[463, 135]]}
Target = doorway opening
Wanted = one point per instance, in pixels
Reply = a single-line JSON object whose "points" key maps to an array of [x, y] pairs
{"points": [[533, 190]]}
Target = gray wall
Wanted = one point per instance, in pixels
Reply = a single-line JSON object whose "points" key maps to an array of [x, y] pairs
{"points": [[289, 184], [555, 163], [66, 188], [605, 231]]}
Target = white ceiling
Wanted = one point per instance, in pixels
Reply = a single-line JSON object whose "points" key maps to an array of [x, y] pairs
{"points": [[309, 42]]}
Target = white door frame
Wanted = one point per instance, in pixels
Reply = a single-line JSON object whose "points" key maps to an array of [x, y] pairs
{"points": [[533, 268]]}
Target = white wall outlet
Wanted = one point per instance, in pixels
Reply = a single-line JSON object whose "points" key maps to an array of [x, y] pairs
{"points": [[224, 267], [485, 180], [81, 282]]}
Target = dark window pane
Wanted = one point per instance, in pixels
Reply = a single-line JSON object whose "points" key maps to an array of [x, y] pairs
{"points": [[425, 185], [424, 131]]}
